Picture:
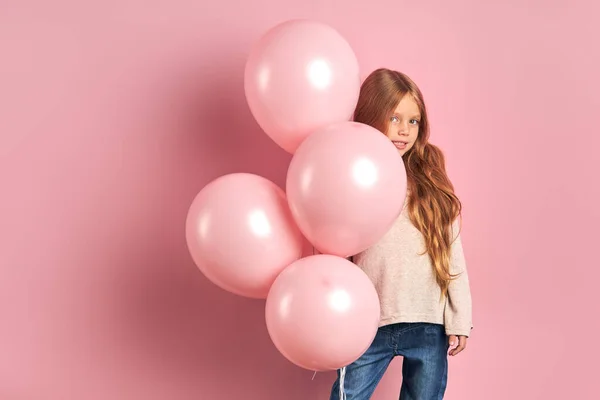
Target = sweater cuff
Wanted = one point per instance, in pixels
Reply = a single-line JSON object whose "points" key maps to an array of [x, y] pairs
{"points": [[458, 331]]}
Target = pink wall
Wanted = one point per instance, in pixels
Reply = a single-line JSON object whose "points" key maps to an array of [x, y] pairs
{"points": [[114, 114]]}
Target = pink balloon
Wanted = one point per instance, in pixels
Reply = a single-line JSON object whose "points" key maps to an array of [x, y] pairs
{"points": [[322, 312], [241, 235], [346, 185], [300, 76]]}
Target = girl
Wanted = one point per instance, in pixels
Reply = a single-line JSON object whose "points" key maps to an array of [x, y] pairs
{"points": [[418, 267]]}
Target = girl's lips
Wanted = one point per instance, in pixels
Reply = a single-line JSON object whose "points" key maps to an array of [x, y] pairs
{"points": [[399, 144]]}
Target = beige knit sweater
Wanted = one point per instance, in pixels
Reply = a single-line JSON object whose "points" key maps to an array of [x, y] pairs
{"points": [[406, 284]]}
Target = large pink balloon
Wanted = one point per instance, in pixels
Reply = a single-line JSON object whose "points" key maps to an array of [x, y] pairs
{"points": [[300, 76], [241, 235], [322, 312], [346, 185]]}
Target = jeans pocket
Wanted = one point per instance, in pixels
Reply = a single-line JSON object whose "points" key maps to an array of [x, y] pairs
{"points": [[435, 329]]}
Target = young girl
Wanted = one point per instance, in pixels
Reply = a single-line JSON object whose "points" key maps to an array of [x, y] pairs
{"points": [[418, 267]]}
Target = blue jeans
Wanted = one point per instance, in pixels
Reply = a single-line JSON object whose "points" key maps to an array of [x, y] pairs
{"points": [[424, 347]]}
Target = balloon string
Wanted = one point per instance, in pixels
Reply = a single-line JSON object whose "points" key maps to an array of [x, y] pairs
{"points": [[315, 374], [342, 377]]}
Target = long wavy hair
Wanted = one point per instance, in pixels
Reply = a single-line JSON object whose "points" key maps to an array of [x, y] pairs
{"points": [[432, 205]]}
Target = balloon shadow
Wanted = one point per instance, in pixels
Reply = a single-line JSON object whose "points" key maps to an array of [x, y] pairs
{"points": [[176, 325], [216, 129]]}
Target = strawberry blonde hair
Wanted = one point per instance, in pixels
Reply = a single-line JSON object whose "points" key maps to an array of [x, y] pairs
{"points": [[432, 205]]}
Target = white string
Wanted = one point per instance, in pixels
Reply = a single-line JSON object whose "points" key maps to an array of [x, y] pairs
{"points": [[315, 374], [342, 377]]}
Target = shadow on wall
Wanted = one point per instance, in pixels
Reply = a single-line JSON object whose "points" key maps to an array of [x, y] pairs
{"points": [[176, 325], [215, 128]]}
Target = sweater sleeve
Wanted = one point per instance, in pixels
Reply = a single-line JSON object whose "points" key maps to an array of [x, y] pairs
{"points": [[458, 310]]}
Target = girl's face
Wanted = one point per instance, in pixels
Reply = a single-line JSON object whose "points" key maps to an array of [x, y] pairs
{"points": [[403, 126]]}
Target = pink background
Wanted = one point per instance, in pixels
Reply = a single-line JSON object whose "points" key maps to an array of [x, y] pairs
{"points": [[114, 114]]}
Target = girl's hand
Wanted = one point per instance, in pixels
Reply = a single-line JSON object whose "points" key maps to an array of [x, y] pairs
{"points": [[457, 344]]}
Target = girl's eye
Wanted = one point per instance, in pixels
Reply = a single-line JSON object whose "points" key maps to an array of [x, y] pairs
{"points": [[395, 119], [414, 121]]}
